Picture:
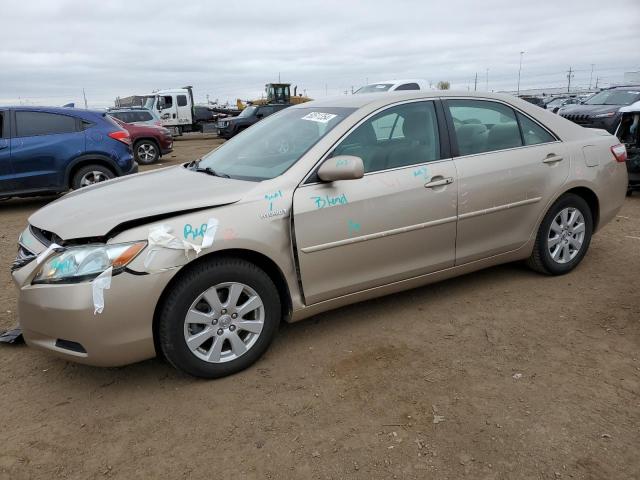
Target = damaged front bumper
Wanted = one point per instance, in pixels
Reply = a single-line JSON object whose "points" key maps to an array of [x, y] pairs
{"points": [[60, 318]]}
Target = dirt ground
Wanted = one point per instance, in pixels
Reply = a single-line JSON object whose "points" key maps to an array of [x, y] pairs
{"points": [[501, 374]]}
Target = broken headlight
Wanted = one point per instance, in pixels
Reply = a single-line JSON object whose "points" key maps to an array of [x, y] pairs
{"points": [[77, 264]]}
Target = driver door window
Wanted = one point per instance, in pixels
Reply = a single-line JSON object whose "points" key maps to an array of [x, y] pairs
{"points": [[397, 137]]}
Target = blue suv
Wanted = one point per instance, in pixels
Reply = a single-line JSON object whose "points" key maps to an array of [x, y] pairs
{"points": [[49, 150]]}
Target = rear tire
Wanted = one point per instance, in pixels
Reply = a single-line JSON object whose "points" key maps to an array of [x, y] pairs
{"points": [[563, 237], [90, 175], [146, 152], [205, 332]]}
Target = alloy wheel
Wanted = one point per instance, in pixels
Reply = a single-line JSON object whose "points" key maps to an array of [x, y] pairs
{"points": [[566, 235], [224, 322], [146, 152], [92, 177]]}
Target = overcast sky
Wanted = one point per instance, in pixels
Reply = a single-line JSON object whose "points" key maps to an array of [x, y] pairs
{"points": [[50, 50]]}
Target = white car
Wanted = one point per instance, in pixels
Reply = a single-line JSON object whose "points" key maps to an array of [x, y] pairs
{"points": [[393, 85]]}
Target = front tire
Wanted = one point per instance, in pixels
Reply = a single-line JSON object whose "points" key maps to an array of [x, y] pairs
{"points": [[146, 152], [563, 237], [218, 318]]}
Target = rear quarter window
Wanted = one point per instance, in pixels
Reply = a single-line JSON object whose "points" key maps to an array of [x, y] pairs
{"points": [[29, 124]]}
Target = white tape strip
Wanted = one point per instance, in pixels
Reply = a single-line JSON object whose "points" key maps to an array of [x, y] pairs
{"points": [[101, 283], [210, 233], [43, 255], [161, 237]]}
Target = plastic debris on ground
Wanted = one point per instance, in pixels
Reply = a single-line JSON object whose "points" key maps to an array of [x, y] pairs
{"points": [[12, 337]]}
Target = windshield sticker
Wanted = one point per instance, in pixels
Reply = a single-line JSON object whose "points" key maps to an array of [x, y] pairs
{"points": [[330, 201], [319, 117]]}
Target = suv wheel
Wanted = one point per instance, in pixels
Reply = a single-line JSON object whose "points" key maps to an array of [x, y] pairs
{"points": [[89, 175], [219, 318], [563, 237], [146, 152]]}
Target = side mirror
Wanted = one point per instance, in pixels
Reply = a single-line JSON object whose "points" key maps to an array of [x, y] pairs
{"points": [[342, 167]]}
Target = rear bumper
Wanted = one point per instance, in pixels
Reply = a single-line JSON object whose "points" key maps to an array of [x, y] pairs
{"points": [[60, 319]]}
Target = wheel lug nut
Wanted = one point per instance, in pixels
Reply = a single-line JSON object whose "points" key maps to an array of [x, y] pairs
{"points": [[220, 331], [234, 315], [232, 327], [215, 321], [223, 311]]}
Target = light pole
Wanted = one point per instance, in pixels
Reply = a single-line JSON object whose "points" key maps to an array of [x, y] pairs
{"points": [[519, 71]]}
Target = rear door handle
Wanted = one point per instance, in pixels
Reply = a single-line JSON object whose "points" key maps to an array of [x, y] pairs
{"points": [[439, 183], [552, 158]]}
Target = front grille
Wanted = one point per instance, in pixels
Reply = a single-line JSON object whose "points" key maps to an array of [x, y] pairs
{"points": [[23, 257], [580, 119]]}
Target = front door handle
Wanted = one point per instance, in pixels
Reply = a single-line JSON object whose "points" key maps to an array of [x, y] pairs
{"points": [[552, 158], [439, 183]]}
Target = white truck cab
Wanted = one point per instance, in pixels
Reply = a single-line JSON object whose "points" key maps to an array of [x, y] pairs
{"points": [[175, 108]]}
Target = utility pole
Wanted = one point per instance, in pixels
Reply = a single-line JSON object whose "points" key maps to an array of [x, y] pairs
{"points": [[519, 72], [569, 77], [591, 76], [85, 99], [475, 83], [487, 81]]}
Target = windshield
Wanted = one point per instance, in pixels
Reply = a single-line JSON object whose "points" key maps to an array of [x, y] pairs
{"points": [[614, 97], [270, 147], [376, 87], [556, 102], [247, 112]]}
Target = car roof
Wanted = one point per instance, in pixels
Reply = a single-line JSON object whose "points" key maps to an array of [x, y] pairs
{"points": [[63, 110], [385, 98]]}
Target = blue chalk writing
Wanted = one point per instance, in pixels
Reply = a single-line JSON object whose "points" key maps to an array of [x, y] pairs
{"points": [[341, 162], [270, 197], [330, 201], [353, 227], [421, 172], [190, 231]]}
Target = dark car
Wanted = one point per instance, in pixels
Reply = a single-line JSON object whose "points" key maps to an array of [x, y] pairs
{"points": [[228, 127], [534, 100], [150, 142], [629, 134], [48, 150], [602, 109]]}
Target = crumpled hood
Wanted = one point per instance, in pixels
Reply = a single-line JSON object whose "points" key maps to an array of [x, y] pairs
{"points": [[94, 211], [588, 109]]}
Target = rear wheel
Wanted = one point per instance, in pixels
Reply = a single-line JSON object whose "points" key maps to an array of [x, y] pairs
{"points": [[219, 318], [146, 152], [563, 237], [90, 175]]}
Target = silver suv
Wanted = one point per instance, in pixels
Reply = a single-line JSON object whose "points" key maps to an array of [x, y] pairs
{"points": [[136, 115]]}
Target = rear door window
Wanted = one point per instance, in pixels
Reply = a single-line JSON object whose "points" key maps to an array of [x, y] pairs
{"points": [[182, 100], [29, 124], [483, 126]]}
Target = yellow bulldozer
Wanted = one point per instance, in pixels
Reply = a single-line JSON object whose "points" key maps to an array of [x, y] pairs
{"points": [[276, 93]]}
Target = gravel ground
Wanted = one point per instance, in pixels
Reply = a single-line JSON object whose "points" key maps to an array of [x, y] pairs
{"points": [[500, 374]]}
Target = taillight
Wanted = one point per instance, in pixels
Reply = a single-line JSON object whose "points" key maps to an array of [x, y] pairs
{"points": [[620, 152], [122, 136]]}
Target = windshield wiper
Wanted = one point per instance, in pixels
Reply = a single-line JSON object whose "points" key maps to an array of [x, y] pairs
{"points": [[210, 171]]}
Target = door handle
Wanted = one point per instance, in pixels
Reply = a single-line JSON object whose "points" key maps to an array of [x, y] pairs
{"points": [[439, 183], [552, 158]]}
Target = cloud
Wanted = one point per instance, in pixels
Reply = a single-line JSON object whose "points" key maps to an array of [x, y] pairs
{"points": [[50, 50]]}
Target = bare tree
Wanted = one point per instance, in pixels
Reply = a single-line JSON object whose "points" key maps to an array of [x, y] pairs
{"points": [[443, 85]]}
